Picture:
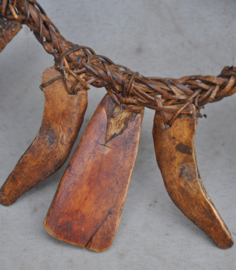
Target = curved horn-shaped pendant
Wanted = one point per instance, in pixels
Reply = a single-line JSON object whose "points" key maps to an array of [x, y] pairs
{"points": [[175, 154], [62, 119]]}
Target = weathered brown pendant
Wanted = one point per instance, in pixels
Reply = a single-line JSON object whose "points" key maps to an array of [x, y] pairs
{"points": [[62, 119], [87, 207], [8, 29], [175, 153]]}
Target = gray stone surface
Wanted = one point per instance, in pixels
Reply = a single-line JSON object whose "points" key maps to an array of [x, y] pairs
{"points": [[166, 38]]}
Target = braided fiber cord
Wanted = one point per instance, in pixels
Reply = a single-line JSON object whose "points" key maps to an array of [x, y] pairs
{"points": [[81, 67]]}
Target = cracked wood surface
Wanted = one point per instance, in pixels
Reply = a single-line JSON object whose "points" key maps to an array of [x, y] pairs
{"points": [[87, 207], [175, 153], [62, 119]]}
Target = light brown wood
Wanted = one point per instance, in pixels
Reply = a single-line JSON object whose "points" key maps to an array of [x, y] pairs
{"points": [[87, 207], [175, 153], [62, 119]]}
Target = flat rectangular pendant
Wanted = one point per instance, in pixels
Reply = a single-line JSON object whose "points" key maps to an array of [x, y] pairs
{"points": [[87, 207]]}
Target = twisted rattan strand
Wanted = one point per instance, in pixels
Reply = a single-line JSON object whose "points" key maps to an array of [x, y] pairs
{"points": [[127, 88]]}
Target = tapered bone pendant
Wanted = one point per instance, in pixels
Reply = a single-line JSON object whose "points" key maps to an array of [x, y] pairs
{"points": [[175, 153], [87, 207], [62, 119]]}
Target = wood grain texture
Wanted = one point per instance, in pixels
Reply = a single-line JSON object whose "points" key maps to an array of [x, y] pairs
{"points": [[87, 207], [62, 119], [175, 153], [8, 29]]}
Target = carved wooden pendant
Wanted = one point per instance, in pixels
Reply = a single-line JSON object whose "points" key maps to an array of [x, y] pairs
{"points": [[87, 207], [62, 119], [175, 153]]}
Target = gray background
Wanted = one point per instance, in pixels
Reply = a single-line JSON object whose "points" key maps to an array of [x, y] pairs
{"points": [[166, 38]]}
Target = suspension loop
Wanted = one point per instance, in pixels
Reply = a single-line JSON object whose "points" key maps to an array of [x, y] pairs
{"points": [[80, 67]]}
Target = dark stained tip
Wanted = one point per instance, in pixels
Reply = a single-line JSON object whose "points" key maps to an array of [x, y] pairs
{"points": [[225, 244]]}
